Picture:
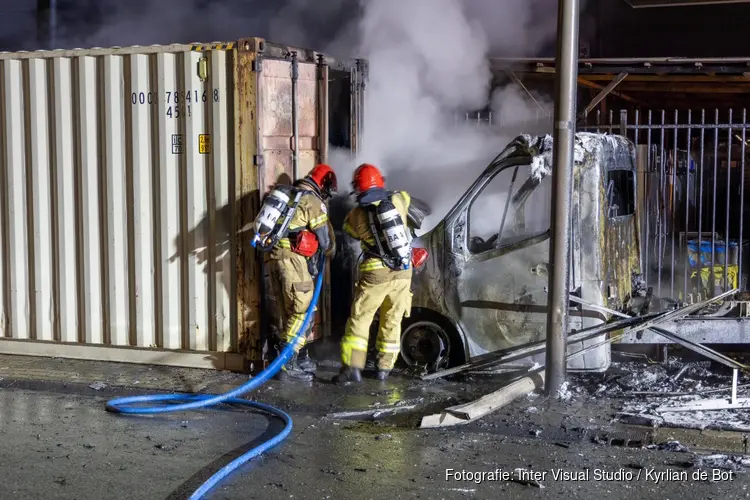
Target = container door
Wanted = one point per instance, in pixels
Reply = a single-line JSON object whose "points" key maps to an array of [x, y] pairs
{"points": [[289, 119], [501, 286]]}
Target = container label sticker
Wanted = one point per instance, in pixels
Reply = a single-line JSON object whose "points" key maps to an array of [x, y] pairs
{"points": [[177, 141], [204, 144]]}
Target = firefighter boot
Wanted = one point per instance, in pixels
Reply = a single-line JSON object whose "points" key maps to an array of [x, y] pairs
{"points": [[348, 374], [305, 362], [292, 371], [383, 374]]}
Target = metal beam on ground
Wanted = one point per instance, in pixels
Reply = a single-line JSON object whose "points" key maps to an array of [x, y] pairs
{"points": [[502, 358], [689, 344], [631, 325], [469, 412]]}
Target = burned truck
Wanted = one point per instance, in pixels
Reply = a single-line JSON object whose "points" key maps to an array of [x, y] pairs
{"points": [[484, 287]]}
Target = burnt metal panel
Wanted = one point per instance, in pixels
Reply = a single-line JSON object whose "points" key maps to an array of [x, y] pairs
{"points": [[248, 179]]}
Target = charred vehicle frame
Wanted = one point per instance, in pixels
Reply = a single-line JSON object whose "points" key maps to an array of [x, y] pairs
{"points": [[474, 296]]}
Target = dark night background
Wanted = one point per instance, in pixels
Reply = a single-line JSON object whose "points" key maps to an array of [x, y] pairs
{"points": [[609, 28]]}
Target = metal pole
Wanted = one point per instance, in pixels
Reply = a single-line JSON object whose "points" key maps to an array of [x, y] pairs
{"points": [[562, 159]]}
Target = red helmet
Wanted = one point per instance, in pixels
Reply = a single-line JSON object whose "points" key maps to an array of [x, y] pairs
{"points": [[324, 178], [367, 177]]}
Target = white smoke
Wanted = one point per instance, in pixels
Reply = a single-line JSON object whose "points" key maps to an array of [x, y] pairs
{"points": [[429, 60]]}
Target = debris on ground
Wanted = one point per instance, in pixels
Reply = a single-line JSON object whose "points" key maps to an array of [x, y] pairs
{"points": [[631, 378], [564, 393], [675, 446], [378, 412], [735, 463], [98, 386], [672, 383]]}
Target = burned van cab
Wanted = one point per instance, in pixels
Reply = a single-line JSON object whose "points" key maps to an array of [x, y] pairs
{"points": [[484, 287]]}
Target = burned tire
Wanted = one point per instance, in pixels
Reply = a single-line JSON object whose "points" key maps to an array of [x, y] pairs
{"points": [[428, 341]]}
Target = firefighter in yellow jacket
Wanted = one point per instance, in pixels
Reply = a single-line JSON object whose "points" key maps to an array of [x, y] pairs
{"points": [[379, 223], [293, 229]]}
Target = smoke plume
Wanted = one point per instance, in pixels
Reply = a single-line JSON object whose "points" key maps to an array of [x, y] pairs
{"points": [[429, 62]]}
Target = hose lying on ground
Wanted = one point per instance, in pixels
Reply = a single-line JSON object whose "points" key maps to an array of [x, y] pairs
{"points": [[195, 401]]}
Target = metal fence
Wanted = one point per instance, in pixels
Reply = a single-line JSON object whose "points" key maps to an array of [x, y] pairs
{"points": [[690, 196]]}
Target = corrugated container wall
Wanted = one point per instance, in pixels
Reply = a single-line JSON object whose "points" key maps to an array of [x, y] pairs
{"points": [[128, 178]]}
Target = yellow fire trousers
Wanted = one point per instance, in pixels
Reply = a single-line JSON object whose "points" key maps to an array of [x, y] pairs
{"points": [[376, 292], [293, 289]]}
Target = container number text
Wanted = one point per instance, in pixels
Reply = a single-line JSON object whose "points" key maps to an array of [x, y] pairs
{"points": [[142, 98], [178, 102]]}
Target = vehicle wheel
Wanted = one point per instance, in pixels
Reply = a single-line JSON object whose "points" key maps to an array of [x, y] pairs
{"points": [[425, 343]]}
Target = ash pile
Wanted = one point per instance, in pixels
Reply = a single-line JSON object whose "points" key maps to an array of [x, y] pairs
{"points": [[644, 388]]}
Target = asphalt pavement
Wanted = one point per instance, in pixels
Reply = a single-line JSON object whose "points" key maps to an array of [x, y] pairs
{"points": [[56, 441]]}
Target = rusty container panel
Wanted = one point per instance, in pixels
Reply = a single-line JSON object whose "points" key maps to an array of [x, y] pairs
{"points": [[277, 116], [280, 108]]}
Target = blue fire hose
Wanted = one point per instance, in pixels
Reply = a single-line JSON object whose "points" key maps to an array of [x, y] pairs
{"points": [[195, 401]]}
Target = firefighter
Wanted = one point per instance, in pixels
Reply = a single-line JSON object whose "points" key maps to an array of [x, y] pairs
{"points": [[293, 229], [384, 283]]}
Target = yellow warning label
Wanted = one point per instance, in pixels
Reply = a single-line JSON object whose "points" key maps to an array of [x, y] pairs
{"points": [[204, 144]]}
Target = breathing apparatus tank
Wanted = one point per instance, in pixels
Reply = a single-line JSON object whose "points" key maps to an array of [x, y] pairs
{"points": [[391, 236], [274, 217]]}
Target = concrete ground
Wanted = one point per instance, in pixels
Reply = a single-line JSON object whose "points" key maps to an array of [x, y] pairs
{"points": [[58, 442]]}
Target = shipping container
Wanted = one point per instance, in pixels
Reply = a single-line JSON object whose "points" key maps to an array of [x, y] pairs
{"points": [[128, 179]]}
